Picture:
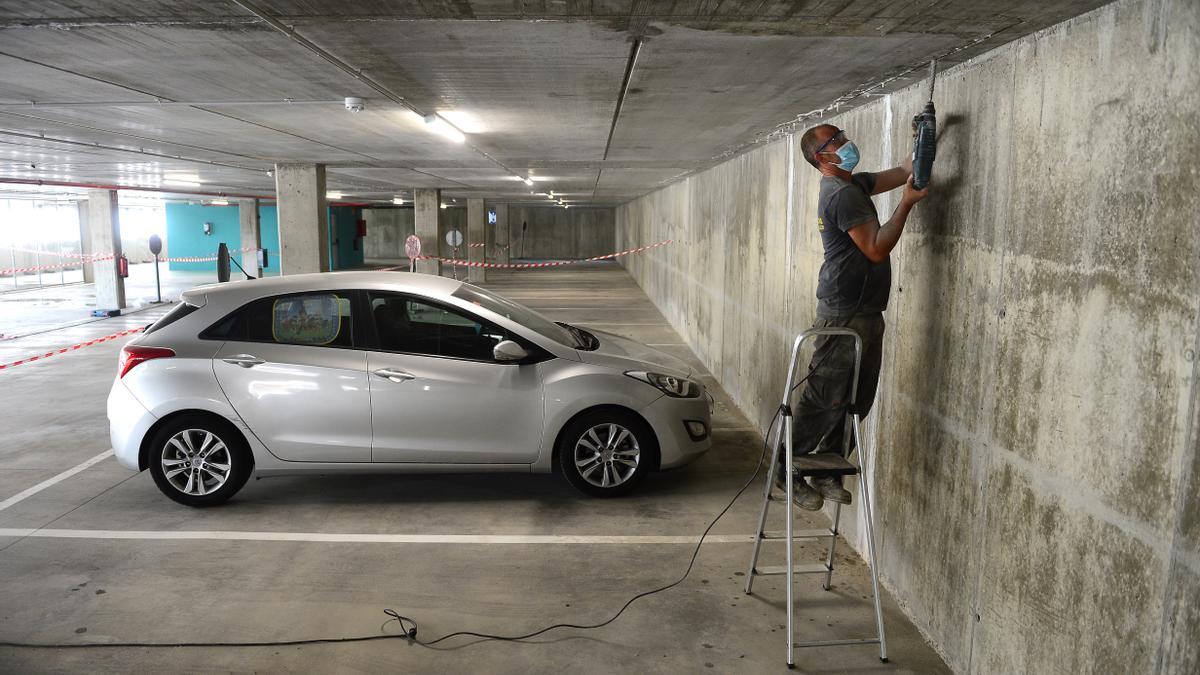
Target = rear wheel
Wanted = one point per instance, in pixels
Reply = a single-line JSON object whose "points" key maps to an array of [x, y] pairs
{"points": [[606, 453], [199, 461]]}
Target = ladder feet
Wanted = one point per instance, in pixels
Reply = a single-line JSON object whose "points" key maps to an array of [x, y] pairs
{"points": [[826, 587], [791, 666], [883, 659]]}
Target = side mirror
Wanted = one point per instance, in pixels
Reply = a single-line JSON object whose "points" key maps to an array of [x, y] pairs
{"points": [[509, 351]]}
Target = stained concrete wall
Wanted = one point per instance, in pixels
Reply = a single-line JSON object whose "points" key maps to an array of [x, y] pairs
{"points": [[1037, 477], [555, 233], [550, 232]]}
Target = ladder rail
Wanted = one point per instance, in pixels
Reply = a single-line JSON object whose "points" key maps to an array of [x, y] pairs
{"points": [[786, 444]]}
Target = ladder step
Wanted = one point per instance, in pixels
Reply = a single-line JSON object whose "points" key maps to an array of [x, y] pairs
{"points": [[772, 535], [823, 464], [811, 568]]}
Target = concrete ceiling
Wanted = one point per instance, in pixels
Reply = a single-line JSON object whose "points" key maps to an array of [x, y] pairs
{"points": [[125, 92]]}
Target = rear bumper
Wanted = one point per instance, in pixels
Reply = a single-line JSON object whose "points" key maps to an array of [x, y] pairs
{"points": [[128, 422], [668, 417]]}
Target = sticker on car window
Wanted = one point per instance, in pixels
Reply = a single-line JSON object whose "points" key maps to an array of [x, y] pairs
{"points": [[307, 319]]}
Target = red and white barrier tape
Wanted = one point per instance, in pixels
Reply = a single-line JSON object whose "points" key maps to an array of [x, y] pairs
{"points": [[100, 258], [555, 263], [64, 350]]}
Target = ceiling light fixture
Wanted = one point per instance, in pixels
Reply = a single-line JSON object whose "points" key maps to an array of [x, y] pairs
{"points": [[443, 128], [333, 195], [398, 201], [444, 206], [181, 183], [528, 181], [219, 202]]}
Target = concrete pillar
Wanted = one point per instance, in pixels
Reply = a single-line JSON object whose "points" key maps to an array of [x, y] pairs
{"points": [[501, 243], [105, 225], [303, 218], [251, 237], [476, 234], [85, 241], [426, 207]]}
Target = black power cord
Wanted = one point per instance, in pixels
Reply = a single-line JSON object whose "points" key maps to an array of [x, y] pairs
{"points": [[409, 627]]}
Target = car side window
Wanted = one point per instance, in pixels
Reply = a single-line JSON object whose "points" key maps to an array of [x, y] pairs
{"points": [[320, 319], [412, 326]]}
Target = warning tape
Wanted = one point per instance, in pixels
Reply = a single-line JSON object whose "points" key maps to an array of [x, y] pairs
{"points": [[64, 350], [100, 258], [554, 263]]}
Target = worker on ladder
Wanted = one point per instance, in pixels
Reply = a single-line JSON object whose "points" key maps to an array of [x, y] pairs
{"points": [[852, 292]]}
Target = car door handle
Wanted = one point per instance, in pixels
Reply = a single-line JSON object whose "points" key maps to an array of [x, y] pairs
{"points": [[244, 360], [394, 374]]}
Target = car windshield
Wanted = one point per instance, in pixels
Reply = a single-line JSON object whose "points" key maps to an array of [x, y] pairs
{"points": [[521, 314]]}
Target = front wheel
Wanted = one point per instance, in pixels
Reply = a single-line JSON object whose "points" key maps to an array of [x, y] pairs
{"points": [[198, 461], [606, 453]]}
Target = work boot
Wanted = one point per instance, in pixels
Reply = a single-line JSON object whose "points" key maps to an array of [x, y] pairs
{"points": [[831, 488], [802, 495]]}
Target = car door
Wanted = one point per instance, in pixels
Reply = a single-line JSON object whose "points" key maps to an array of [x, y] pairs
{"points": [[292, 368], [437, 393]]}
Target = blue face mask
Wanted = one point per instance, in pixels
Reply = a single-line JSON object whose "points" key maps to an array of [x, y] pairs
{"points": [[848, 153]]}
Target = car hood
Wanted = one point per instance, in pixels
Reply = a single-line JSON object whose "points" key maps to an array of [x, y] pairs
{"points": [[625, 354]]}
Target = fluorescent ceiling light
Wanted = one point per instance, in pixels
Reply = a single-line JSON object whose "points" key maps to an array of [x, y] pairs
{"points": [[333, 195], [177, 175], [528, 181], [219, 202], [181, 183], [465, 121], [398, 201], [540, 178], [444, 206], [444, 129]]}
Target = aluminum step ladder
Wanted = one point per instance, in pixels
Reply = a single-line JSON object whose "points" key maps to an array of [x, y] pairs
{"points": [[816, 465]]}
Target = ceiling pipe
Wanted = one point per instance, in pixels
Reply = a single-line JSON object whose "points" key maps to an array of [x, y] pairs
{"points": [[634, 51], [140, 188], [356, 73]]}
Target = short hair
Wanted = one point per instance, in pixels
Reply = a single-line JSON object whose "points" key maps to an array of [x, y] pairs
{"points": [[809, 143]]}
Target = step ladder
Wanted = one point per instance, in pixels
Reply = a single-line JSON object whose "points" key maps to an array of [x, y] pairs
{"points": [[815, 465]]}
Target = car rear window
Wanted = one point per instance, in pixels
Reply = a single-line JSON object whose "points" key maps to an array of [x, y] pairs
{"points": [[177, 312], [321, 319]]}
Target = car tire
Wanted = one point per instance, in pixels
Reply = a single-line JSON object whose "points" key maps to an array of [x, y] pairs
{"points": [[198, 460], [606, 453]]}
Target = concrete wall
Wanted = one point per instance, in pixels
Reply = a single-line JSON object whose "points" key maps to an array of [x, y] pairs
{"points": [[560, 233], [551, 232], [1038, 469]]}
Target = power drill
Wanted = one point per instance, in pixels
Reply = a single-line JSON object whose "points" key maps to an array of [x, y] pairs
{"points": [[925, 138]]}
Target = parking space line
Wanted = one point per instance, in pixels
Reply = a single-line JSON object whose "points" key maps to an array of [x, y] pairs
{"points": [[25, 494], [471, 539]]}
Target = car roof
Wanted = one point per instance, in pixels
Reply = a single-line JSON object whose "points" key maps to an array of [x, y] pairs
{"points": [[238, 292]]}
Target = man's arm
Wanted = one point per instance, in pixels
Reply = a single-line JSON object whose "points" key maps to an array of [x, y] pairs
{"points": [[876, 241], [892, 178]]}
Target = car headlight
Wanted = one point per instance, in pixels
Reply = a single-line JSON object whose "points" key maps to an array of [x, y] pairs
{"points": [[670, 385]]}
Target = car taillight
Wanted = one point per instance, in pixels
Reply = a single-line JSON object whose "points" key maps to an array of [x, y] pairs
{"points": [[132, 355]]}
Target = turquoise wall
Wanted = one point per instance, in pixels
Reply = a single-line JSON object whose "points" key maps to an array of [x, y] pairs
{"points": [[186, 238]]}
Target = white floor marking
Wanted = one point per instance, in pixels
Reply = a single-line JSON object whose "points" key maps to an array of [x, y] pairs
{"points": [[25, 494], [375, 538]]}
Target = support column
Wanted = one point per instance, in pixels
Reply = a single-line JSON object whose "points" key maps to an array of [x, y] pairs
{"points": [[303, 218], [426, 207], [105, 225], [85, 241], [251, 237], [501, 243], [476, 234]]}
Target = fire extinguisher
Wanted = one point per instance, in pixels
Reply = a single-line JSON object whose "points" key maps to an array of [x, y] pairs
{"points": [[123, 267]]}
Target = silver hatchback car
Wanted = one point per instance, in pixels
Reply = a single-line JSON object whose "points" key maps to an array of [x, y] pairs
{"points": [[391, 372]]}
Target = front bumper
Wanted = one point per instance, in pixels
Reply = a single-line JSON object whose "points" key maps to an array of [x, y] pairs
{"points": [[668, 417], [128, 422]]}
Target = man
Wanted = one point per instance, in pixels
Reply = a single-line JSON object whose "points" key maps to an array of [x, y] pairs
{"points": [[852, 292]]}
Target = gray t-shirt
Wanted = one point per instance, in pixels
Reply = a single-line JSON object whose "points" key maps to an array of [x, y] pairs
{"points": [[849, 282]]}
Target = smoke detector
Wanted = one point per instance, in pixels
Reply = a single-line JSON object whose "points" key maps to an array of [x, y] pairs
{"points": [[354, 104]]}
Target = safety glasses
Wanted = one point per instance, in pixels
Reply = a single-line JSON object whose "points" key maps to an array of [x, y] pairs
{"points": [[839, 136]]}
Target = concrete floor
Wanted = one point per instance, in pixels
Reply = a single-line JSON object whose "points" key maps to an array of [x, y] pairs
{"points": [[110, 559]]}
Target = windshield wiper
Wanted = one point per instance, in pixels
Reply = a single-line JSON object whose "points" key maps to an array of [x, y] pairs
{"points": [[583, 339]]}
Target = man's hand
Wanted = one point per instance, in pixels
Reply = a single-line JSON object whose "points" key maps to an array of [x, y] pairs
{"points": [[911, 194]]}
